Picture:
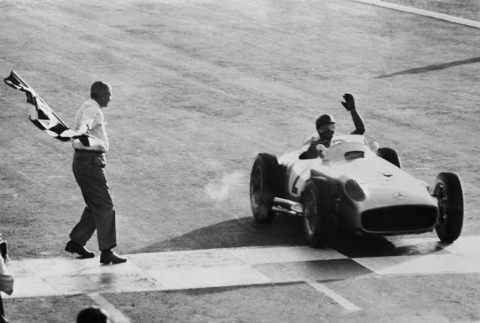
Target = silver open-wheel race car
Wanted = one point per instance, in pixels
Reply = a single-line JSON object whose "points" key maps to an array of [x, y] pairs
{"points": [[356, 187]]}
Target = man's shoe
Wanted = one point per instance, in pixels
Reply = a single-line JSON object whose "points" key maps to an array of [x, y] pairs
{"points": [[109, 256], [74, 247]]}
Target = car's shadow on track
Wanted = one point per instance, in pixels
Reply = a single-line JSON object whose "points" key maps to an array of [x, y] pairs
{"points": [[288, 231], [380, 246], [235, 233]]}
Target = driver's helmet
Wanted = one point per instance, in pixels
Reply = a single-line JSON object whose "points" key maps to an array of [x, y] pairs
{"points": [[324, 119]]}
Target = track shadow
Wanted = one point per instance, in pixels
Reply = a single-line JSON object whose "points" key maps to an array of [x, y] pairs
{"points": [[433, 67], [235, 233], [288, 231]]}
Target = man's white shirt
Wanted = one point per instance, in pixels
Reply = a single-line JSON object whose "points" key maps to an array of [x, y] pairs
{"points": [[90, 120]]}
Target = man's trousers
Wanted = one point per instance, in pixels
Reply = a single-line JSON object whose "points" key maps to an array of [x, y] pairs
{"points": [[99, 214]]}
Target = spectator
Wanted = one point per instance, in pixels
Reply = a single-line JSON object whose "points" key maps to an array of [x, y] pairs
{"points": [[93, 314]]}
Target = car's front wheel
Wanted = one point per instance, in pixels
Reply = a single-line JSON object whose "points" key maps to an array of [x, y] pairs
{"points": [[264, 184], [319, 220], [449, 193]]}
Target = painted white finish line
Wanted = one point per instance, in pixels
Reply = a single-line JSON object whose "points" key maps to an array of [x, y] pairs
{"points": [[421, 12], [233, 267], [463, 257], [157, 271]]}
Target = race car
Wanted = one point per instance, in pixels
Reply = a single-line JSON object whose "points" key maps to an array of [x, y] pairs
{"points": [[357, 187]]}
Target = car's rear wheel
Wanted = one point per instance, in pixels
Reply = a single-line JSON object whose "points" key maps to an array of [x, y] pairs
{"points": [[449, 193], [389, 155], [264, 185], [319, 220]]}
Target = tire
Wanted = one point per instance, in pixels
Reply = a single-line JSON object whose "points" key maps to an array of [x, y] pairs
{"points": [[449, 193], [264, 185], [319, 219], [389, 155]]}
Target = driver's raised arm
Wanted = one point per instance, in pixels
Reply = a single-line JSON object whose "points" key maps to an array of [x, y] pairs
{"points": [[349, 105]]}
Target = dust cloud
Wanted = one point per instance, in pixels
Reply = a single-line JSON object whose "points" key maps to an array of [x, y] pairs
{"points": [[220, 190]]}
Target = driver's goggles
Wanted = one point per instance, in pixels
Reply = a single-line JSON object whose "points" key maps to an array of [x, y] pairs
{"points": [[324, 128]]}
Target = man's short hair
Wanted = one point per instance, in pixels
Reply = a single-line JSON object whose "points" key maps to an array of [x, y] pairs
{"points": [[98, 88]]}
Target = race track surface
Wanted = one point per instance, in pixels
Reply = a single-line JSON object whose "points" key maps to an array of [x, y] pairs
{"points": [[199, 88]]}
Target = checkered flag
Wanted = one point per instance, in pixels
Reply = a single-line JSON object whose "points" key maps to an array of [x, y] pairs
{"points": [[42, 115]]}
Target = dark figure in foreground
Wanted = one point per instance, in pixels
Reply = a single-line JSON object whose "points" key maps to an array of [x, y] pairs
{"points": [[6, 280], [93, 314], [89, 169], [325, 125]]}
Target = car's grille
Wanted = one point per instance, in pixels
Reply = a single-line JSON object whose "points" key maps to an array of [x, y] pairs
{"points": [[407, 218]]}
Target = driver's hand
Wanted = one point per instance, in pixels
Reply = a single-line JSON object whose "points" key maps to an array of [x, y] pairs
{"points": [[349, 103]]}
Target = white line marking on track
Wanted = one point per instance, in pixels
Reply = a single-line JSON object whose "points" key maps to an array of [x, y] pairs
{"points": [[342, 301], [422, 12], [115, 315]]}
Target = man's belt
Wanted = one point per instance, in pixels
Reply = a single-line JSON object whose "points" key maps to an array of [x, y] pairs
{"points": [[98, 152]]}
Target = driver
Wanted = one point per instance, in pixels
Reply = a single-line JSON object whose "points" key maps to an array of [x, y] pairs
{"points": [[325, 125]]}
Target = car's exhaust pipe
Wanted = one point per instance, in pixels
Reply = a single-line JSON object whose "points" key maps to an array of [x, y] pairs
{"points": [[287, 207]]}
